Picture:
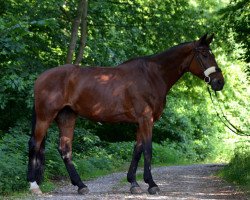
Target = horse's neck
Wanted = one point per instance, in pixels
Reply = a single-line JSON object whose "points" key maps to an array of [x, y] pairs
{"points": [[171, 64]]}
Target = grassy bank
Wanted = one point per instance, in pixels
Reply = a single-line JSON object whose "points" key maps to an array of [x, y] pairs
{"points": [[238, 169]]}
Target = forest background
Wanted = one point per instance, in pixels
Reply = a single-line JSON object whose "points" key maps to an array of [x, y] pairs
{"points": [[38, 35]]}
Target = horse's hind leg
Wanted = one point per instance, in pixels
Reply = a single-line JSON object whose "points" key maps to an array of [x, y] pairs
{"points": [[66, 122], [36, 154], [145, 127]]}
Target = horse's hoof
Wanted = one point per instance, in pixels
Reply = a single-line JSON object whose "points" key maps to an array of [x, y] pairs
{"points": [[36, 191], [154, 190], [136, 190], [83, 190]]}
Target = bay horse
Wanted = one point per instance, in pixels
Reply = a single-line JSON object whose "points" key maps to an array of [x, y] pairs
{"points": [[134, 92]]}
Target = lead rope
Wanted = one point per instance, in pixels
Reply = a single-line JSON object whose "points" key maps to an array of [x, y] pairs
{"points": [[227, 123]]}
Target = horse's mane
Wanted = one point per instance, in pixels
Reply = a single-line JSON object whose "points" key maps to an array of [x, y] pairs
{"points": [[169, 51], [166, 53]]}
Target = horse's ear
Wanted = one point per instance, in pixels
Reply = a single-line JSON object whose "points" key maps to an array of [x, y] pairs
{"points": [[203, 40], [210, 39]]}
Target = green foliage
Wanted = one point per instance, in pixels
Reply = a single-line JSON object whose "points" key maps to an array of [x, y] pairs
{"points": [[145, 28], [13, 163], [237, 170], [121, 150], [235, 98], [168, 153], [85, 140], [236, 17]]}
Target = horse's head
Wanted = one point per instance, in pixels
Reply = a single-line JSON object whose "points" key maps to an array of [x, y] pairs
{"points": [[204, 65]]}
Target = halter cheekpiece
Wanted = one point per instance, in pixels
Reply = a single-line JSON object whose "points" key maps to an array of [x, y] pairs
{"points": [[209, 70]]}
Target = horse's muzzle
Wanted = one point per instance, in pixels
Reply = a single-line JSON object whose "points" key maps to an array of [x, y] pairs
{"points": [[217, 84]]}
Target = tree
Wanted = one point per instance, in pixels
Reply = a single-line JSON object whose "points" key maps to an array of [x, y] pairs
{"points": [[80, 21], [235, 17]]}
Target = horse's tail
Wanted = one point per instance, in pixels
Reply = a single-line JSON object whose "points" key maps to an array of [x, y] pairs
{"points": [[36, 157]]}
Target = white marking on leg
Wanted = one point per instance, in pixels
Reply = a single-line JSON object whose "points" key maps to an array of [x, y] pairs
{"points": [[68, 155], [33, 185], [34, 161], [34, 188]]}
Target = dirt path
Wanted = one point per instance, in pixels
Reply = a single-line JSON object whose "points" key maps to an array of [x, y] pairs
{"points": [[176, 182]]}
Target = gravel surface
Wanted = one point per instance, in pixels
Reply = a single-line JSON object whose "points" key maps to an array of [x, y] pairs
{"points": [[176, 182]]}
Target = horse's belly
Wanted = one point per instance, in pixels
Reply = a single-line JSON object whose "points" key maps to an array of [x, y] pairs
{"points": [[103, 115], [104, 112]]}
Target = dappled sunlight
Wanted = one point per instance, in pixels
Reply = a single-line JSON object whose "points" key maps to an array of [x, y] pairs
{"points": [[104, 78], [97, 109]]}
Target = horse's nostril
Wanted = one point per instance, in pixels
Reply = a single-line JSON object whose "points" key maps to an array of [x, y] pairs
{"points": [[217, 84], [220, 82]]}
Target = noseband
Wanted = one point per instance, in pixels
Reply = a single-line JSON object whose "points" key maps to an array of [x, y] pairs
{"points": [[209, 70]]}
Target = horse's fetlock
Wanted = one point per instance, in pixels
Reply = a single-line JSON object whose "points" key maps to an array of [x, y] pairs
{"points": [[147, 178], [129, 178]]}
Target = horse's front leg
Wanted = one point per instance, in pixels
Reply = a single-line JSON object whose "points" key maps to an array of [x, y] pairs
{"points": [[131, 176], [143, 144], [146, 128], [147, 151]]}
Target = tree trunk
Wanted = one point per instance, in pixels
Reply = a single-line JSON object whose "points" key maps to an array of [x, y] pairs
{"points": [[83, 33], [75, 26]]}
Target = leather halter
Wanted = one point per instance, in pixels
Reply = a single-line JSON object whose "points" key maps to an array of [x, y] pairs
{"points": [[209, 70]]}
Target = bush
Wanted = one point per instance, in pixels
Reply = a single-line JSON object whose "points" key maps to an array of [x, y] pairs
{"points": [[94, 166], [54, 165], [121, 150], [84, 140], [13, 154], [237, 170]]}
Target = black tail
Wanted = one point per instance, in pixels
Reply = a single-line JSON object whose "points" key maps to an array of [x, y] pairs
{"points": [[36, 156]]}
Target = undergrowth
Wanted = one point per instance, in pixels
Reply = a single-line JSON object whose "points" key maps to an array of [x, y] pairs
{"points": [[238, 170]]}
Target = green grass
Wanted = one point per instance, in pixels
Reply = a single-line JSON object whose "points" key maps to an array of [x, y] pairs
{"points": [[48, 186], [238, 169]]}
